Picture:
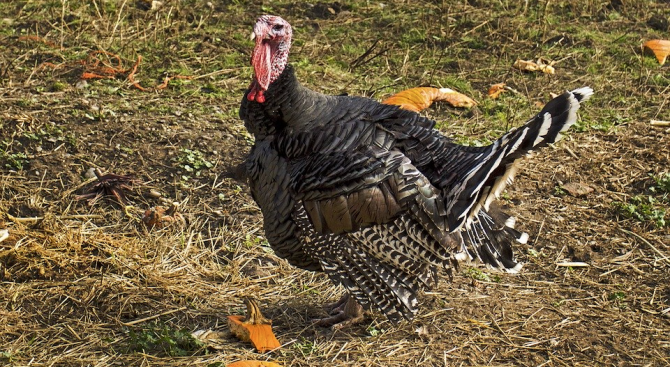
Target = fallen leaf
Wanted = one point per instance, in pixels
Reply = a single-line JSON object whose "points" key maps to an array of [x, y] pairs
{"points": [[159, 216], [417, 99], [254, 328], [496, 89], [660, 49], [253, 363], [212, 339], [577, 189], [540, 65]]}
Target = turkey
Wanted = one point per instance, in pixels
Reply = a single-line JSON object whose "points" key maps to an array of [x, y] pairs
{"points": [[372, 194]]}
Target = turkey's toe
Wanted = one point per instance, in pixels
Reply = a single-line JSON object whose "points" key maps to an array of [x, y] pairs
{"points": [[336, 307], [346, 312]]}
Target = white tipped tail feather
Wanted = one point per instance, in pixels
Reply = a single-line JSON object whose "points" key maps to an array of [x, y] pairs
{"points": [[485, 180]]}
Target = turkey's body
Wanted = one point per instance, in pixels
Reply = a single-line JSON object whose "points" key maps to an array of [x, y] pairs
{"points": [[375, 197]]}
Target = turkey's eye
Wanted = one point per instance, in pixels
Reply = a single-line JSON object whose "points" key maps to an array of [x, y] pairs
{"points": [[277, 27]]}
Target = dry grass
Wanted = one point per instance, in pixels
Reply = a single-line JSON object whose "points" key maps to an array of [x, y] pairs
{"points": [[86, 285]]}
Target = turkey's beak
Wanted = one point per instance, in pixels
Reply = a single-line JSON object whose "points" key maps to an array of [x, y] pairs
{"points": [[253, 35]]}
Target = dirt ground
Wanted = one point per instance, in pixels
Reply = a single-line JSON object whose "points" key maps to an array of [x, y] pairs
{"points": [[87, 283]]}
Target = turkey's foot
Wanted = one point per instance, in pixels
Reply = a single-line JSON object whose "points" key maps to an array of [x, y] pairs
{"points": [[344, 313], [336, 307]]}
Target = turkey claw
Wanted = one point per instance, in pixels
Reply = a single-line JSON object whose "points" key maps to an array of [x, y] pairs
{"points": [[344, 313], [336, 307]]}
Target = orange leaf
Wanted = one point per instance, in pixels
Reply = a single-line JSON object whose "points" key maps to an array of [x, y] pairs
{"points": [[660, 49], [417, 99], [496, 89], [253, 363], [254, 328]]}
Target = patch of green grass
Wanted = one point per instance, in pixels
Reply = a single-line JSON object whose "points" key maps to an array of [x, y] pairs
{"points": [[605, 122], [559, 191], [160, 339], [470, 141], [478, 274], [57, 86], [558, 303], [662, 183], [618, 298], [15, 161], [305, 347], [373, 331], [643, 209], [6, 356]]}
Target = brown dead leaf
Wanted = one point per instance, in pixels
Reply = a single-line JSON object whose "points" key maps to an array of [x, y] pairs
{"points": [[659, 48], [420, 98], [496, 89], [159, 217], [212, 339], [577, 189], [540, 65]]}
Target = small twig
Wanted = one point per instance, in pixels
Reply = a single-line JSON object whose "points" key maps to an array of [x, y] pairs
{"points": [[35, 219], [475, 28], [573, 264], [571, 152], [662, 255], [514, 91], [362, 59], [660, 123], [153, 317]]}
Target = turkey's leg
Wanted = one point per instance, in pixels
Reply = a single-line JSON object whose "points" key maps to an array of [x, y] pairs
{"points": [[345, 312]]}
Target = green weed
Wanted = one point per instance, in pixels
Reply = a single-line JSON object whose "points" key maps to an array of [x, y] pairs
{"points": [[662, 183], [643, 209], [6, 356], [477, 274], [373, 331], [160, 339], [305, 347], [193, 161], [15, 161], [618, 298]]}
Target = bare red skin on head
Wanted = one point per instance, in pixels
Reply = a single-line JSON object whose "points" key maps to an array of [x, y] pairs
{"points": [[260, 60], [273, 39], [256, 93]]}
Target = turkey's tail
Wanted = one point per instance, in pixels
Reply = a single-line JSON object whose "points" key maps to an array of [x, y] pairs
{"points": [[494, 169], [489, 238]]}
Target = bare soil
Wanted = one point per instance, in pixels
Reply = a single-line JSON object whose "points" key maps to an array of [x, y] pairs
{"points": [[90, 284]]}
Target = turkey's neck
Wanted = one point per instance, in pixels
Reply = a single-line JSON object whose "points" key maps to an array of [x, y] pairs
{"points": [[288, 105]]}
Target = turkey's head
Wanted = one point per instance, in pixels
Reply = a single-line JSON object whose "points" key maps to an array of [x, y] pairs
{"points": [[273, 40]]}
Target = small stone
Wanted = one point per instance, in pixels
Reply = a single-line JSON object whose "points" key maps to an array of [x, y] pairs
{"points": [[90, 173], [4, 234], [154, 194]]}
